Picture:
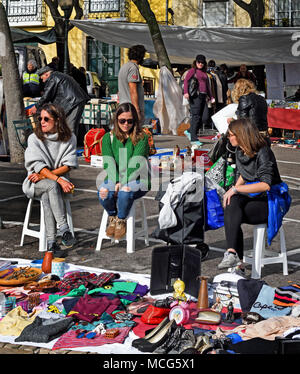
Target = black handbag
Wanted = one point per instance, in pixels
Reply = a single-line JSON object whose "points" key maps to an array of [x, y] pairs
{"points": [[172, 262], [219, 149], [193, 86]]}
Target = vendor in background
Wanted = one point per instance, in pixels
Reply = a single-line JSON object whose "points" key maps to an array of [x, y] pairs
{"points": [[257, 171], [243, 73], [31, 80], [251, 105]]}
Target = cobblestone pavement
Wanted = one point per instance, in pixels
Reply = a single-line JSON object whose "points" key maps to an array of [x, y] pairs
{"points": [[86, 212]]}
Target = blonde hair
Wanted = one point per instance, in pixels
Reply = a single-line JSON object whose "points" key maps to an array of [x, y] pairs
{"points": [[242, 87]]}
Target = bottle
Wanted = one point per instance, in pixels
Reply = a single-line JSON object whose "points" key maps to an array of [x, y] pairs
{"points": [[47, 262], [2, 304]]}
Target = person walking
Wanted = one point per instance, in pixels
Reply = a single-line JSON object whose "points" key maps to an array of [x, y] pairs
{"points": [[125, 153], [198, 102], [63, 90], [130, 82], [31, 80], [50, 155], [247, 200]]}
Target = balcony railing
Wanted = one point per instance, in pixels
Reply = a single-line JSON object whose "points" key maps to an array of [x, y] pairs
{"points": [[25, 12]]}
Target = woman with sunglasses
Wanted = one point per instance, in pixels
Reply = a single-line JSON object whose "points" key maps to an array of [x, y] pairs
{"points": [[50, 155], [247, 200], [125, 152]]}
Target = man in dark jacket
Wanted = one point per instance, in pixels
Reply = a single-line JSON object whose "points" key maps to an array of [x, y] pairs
{"points": [[63, 90]]}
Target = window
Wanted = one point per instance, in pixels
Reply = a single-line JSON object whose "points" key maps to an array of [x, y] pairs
{"points": [[216, 13], [287, 13], [96, 6]]}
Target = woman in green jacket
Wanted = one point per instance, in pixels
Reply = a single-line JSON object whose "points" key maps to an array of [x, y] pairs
{"points": [[125, 152]]}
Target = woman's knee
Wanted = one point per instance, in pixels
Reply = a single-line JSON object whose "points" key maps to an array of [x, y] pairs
{"points": [[103, 193]]}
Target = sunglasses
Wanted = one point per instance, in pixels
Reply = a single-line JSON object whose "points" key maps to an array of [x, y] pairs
{"points": [[122, 121], [46, 119]]}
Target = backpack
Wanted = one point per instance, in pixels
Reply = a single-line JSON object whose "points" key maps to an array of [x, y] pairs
{"points": [[93, 143]]}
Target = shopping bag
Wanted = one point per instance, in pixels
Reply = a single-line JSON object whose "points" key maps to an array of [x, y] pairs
{"points": [[214, 213]]}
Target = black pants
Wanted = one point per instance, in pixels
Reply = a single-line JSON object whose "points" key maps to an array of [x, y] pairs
{"points": [[197, 106], [243, 209]]}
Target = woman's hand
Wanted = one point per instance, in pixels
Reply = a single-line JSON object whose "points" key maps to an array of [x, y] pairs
{"points": [[186, 95], [227, 196], [117, 188], [35, 177], [66, 186]]}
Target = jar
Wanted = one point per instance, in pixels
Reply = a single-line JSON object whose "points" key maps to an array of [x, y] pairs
{"points": [[47, 262]]}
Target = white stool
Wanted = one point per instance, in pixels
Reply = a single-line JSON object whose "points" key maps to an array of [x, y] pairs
{"points": [[131, 234], [258, 258], [41, 233]]}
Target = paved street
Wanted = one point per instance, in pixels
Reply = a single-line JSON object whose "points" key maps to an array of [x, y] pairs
{"points": [[87, 213]]}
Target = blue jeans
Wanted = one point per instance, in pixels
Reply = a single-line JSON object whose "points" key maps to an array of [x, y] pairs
{"points": [[121, 204]]}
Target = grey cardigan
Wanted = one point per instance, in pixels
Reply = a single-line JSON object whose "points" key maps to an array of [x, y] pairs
{"points": [[50, 154]]}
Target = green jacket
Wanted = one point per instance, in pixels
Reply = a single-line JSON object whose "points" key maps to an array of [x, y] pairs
{"points": [[125, 162]]}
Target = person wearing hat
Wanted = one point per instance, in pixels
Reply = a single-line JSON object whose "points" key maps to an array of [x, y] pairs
{"points": [[62, 90], [197, 102], [31, 80]]}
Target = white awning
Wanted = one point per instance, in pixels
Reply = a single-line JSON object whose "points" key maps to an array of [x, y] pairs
{"points": [[230, 45]]}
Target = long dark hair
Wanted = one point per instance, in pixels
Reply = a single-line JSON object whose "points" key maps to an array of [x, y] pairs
{"points": [[249, 139], [136, 131], [58, 114]]}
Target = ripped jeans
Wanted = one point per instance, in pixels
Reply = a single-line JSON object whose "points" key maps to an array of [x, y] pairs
{"points": [[121, 204]]}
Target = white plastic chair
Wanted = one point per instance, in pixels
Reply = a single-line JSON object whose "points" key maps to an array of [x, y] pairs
{"points": [[131, 233], [257, 257], [41, 232]]}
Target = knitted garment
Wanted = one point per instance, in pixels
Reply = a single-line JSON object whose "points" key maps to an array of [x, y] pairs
{"points": [[45, 330], [89, 280], [287, 296], [127, 168]]}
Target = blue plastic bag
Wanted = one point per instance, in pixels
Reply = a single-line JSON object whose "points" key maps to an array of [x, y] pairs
{"points": [[214, 213]]}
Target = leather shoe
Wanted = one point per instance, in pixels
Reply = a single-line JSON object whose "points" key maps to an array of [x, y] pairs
{"points": [[149, 345], [187, 340], [170, 342], [150, 333]]}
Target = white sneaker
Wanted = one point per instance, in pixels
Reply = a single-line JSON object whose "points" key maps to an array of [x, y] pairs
{"points": [[230, 260]]}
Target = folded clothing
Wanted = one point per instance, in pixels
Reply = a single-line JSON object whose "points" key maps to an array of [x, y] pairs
{"points": [[287, 296], [43, 330]]}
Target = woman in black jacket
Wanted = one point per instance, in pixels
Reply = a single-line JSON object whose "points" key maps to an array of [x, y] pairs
{"points": [[247, 200], [250, 104]]}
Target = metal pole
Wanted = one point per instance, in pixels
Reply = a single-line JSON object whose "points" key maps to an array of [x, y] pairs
{"points": [[167, 15], [66, 46]]}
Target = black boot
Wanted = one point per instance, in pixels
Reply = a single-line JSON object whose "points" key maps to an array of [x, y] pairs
{"points": [[170, 342]]}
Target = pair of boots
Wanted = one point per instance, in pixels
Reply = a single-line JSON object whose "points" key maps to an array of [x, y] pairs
{"points": [[116, 227]]}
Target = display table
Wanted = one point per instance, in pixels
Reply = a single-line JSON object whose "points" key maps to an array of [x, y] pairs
{"points": [[286, 119]]}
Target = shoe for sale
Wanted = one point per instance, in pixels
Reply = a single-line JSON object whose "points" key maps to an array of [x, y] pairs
{"points": [[149, 345], [171, 342], [57, 251], [187, 134], [150, 333], [186, 341], [110, 230], [120, 229], [230, 260], [68, 239]]}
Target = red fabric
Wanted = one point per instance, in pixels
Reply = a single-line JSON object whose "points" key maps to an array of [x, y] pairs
{"points": [[69, 340], [154, 315], [141, 327], [288, 119]]}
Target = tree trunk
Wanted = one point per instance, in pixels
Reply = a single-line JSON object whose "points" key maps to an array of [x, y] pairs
{"points": [[158, 43], [12, 86], [255, 9]]}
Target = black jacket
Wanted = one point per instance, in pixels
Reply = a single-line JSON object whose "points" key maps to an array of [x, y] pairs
{"points": [[63, 90], [254, 106], [260, 168]]}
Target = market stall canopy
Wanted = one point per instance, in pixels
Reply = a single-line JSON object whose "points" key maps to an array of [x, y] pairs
{"points": [[22, 36], [230, 45]]}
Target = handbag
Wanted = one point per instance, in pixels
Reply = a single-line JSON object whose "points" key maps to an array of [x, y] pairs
{"points": [[172, 262], [193, 86], [219, 149], [221, 173]]}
